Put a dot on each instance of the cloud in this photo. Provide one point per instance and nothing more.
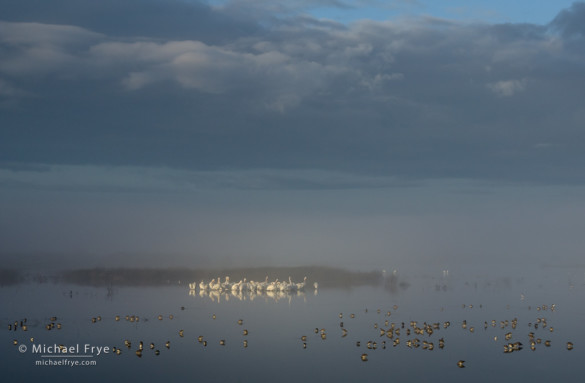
(44, 34)
(9, 91)
(571, 21)
(128, 179)
(507, 88)
(168, 19)
(408, 98)
(34, 48)
(278, 80)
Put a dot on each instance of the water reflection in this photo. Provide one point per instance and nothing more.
(250, 295)
(524, 328)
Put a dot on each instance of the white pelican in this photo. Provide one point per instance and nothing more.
(272, 285)
(244, 286)
(261, 286)
(236, 286)
(215, 286)
(253, 285)
(301, 285)
(226, 285)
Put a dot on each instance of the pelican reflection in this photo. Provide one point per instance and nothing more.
(243, 295)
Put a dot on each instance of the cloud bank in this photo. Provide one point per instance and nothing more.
(248, 86)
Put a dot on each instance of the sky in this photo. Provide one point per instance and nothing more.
(359, 134)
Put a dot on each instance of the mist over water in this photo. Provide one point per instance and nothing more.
(438, 225)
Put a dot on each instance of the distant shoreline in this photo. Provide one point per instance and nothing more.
(325, 276)
(121, 276)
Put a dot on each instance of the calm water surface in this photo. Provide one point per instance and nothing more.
(276, 323)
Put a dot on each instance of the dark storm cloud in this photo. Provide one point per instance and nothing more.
(571, 22)
(169, 19)
(417, 98)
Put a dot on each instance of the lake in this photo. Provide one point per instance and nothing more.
(412, 327)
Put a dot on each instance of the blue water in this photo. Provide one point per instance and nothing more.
(276, 323)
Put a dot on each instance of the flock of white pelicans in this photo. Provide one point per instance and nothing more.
(251, 286)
